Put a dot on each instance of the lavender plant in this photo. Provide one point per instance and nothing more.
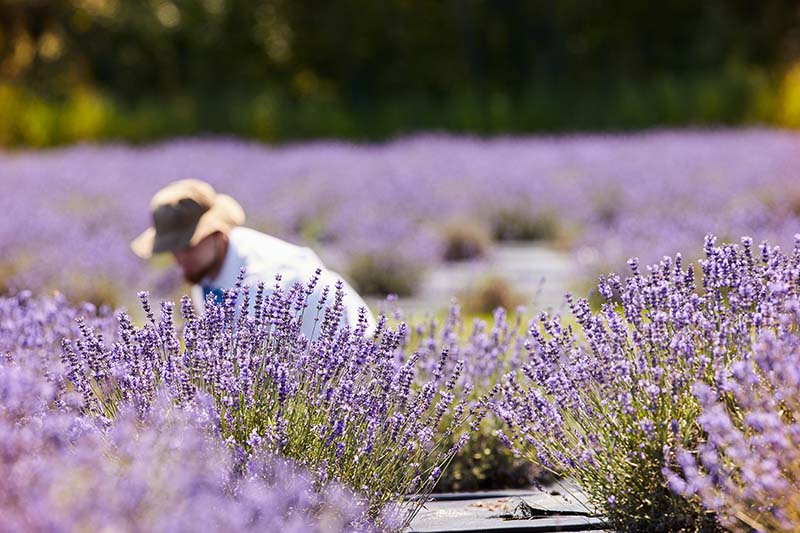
(350, 408)
(486, 351)
(609, 404)
(747, 470)
(168, 471)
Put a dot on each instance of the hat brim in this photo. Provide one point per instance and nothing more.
(223, 216)
(143, 244)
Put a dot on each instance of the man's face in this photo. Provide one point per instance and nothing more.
(197, 261)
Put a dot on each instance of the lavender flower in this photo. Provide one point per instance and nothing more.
(748, 469)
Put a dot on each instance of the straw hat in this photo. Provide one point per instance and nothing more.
(184, 213)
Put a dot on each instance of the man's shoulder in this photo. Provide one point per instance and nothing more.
(264, 255)
(243, 235)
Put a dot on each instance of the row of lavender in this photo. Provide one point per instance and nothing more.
(394, 208)
(675, 406)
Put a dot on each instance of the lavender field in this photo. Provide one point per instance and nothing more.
(668, 388)
(399, 208)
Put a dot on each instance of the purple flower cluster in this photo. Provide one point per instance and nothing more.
(351, 408)
(167, 469)
(611, 403)
(610, 197)
(32, 328)
(483, 352)
(747, 470)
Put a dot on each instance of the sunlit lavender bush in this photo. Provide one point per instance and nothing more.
(610, 403)
(349, 408)
(165, 469)
(748, 469)
(72, 211)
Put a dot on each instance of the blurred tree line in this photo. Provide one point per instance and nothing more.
(284, 69)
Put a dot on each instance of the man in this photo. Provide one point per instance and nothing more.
(204, 232)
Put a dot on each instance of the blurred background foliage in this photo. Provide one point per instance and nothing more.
(277, 70)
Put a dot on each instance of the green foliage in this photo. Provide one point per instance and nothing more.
(277, 70)
(484, 463)
(518, 223)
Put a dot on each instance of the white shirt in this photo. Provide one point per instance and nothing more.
(263, 256)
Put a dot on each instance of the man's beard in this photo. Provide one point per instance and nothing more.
(196, 277)
(220, 251)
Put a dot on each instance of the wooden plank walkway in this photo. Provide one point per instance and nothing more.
(558, 508)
